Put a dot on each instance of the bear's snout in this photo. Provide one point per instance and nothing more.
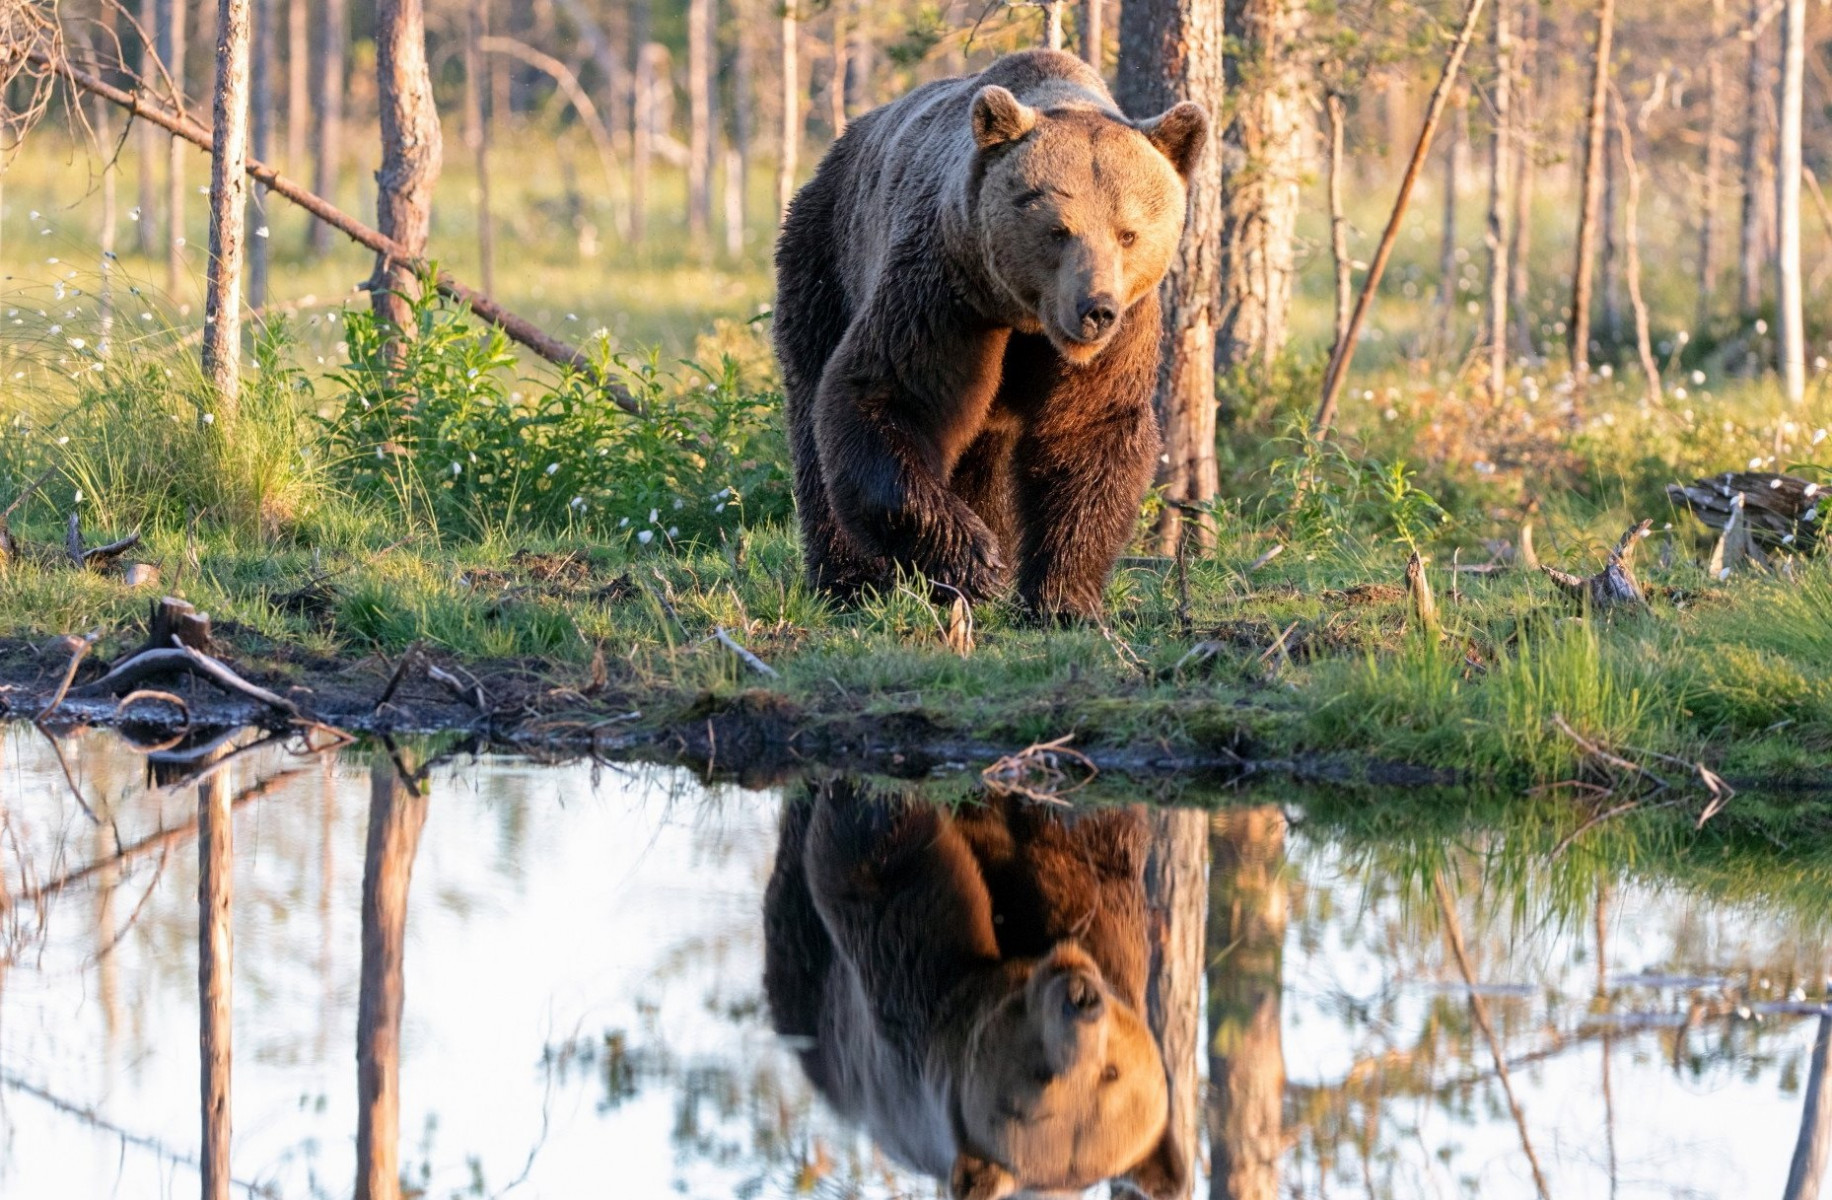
(1097, 315)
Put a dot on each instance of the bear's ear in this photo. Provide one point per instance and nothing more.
(1179, 134)
(1165, 1172)
(1000, 117)
(975, 1178)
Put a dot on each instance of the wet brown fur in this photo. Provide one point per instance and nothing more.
(952, 407)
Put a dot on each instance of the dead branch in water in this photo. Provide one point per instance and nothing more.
(1036, 772)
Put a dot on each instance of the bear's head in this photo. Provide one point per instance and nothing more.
(1064, 1087)
(1078, 213)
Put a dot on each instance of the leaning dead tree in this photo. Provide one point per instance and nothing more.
(519, 329)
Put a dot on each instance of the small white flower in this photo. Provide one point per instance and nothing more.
(679, 504)
(133, 214)
(1680, 393)
(655, 516)
(456, 470)
(674, 530)
(645, 536)
(552, 467)
(260, 231)
(1606, 370)
(1761, 326)
(79, 495)
(51, 261)
(1698, 378)
(77, 343)
(1755, 462)
(624, 524)
(63, 441)
(209, 418)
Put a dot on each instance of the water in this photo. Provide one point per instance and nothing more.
(584, 1010)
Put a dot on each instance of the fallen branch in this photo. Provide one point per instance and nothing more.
(517, 328)
(744, 656)
(150, 664)
(79, 652)
(473, 696)
(1042, 762)
(174, 700)
(81, 559)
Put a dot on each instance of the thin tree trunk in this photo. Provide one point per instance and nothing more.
(743, 130)
(642, 122)
(836, 88)
(1520, 237)
(1813, 1149)
(171, 52)
(1172, 51)
(1093, 49)
(1501, 163)
(1334, 112)
(327, 150)
(411, 150)
(701, 146)
(1749, 245)
(1338, 370)
(1710, 252)
(1453, 184)
(1631, 237)
(859, 87)
(261, 135)
(397, 814)
(790, 141)
(1594, 151)
(1263, 163)
(477, 136)
(222, 354)
(1248, 908)
(1790, 317)
(1612, 242)
(298, 84)
(146, 137)
(104, 132)
(215, 974)
(1052, 24)
(1175, 904)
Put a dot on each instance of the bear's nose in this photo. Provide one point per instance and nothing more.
(1082, 1000)
(1097, 315)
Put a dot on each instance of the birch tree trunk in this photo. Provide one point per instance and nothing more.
(1248, 907)
(1710, 253)
(397, 814)
(1172, 51)
(1520, 237)
(700, 143)
(261, 135)
(1749, 245)
(327, 151)
(411, 152)
(1612, 244)
(1501, 162)
(789, 143)
(1813, 1149)
(146, 138)
(215, 973)
(836, 87)
(1594, 150)
(1175, 900)
(1052, 24)
(1789, 316)
(1093, 49)
(1263, 163)
(477, 137)
(104, 132)
(171, 52)
(222, 353)
(298, 85)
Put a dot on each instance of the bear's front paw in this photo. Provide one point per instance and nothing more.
(971, 565)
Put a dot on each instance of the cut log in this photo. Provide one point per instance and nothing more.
(1615, 585)
(1784, 512)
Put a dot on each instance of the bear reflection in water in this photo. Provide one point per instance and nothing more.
(969, 986)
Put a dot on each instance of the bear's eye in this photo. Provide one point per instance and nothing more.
(1127, 237)
(1110, 1074)
(1059, 234)
(1042, 1075)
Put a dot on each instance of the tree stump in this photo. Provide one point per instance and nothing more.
(175, 622)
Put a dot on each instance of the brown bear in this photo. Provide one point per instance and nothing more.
(968, 327)
(970, 988)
